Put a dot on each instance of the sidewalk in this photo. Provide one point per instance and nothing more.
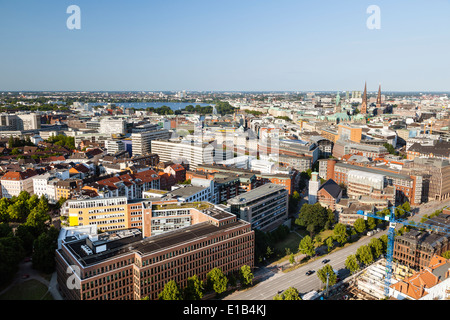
(25, 268)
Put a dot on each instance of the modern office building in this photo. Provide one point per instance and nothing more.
(19, 121)
(113, 146)
(191, 152)
(265, 207)
(141, 141)
(113, 126)
(126, 265)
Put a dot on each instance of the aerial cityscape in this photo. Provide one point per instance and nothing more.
(117, 187)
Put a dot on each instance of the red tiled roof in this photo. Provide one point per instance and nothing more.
(13, 175)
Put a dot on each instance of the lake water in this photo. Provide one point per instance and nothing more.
(171, 105)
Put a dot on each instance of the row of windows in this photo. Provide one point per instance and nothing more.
(150, 286)
(196, 246)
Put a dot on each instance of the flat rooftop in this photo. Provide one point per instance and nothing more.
(147, 246)
(255, 194)
(373, 171)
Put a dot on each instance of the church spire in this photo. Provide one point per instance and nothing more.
(364, 100)
(379, 97)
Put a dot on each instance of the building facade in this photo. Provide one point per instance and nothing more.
(126, 266)
(265, 207)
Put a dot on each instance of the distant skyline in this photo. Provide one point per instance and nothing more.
(247, 45)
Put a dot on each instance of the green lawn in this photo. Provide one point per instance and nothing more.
(28, 290)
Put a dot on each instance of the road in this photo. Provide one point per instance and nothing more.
(275, 280)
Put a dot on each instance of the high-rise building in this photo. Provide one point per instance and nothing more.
(141, 142)
(188, 152)
(113, 126)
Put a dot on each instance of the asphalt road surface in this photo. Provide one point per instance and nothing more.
(275, 281)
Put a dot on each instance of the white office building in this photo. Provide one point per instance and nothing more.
(113, 126)
(193, 153)
(141, 142)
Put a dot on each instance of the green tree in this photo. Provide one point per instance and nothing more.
(5, 230)
(306, 246)
(364, 255)
(269, 252)
(15, 151)
(170, 291)
(371, 223)
(313, 217)
(32, 202)
(27, 234)
(194, 289)
(330, 243)
(11, 253)
(294, 199)
(292, 259)
(376, 246)
(246, 275)
(290, 294)
(327, 271)
(360, 225)
(43, 204)
(390, 148)
(18, 211)
(340, 233)
(384, 240)
(44, 251)
(406, 206)
(4, 214)
(38, 219)
(216, 280)
(351, 263)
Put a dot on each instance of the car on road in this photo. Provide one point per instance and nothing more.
(309, 272)
(325, 261)
(25, 276)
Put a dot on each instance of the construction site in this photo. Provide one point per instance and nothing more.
(368, 284)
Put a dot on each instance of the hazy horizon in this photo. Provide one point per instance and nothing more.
(232, 46)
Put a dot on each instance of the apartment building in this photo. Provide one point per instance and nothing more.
(125, 184)
(126, 265)
(13, 183)
(265, 207)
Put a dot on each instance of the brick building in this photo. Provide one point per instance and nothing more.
(123, 265)
(416, 248)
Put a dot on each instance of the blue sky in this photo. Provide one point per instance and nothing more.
(241, 45)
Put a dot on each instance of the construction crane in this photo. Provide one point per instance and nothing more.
(393, 221)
